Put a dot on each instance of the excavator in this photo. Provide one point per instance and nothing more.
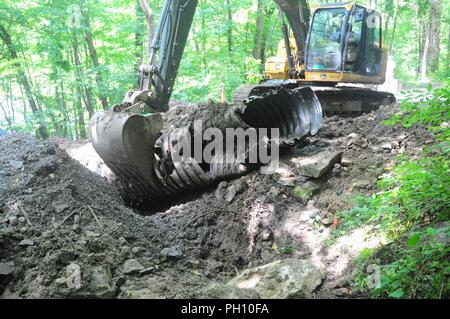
(321, 63)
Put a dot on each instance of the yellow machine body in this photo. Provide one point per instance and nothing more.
(345, 45)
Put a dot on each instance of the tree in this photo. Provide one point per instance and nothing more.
(434, 38)
(22, 78)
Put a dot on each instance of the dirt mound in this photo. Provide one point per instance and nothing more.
(64, 231)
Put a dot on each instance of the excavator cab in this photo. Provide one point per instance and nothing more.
(344, 45)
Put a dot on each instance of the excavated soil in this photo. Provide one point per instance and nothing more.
(65, 232)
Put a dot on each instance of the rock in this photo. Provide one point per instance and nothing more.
(273, 192)
(221, 291)
(16, 164)
(341, 292)
(26, 243)
(282, 279)
(12, 220)
(73, 281)
(327, 222)
(231, 193)
(22, 219)
(221, 190)
(346, 162)
(305, 191)
(132, 266)
(143, 293)
(362, 184)
(241, 186)
(100, 285)
(287, 181)
(444, 125)
(136, 250)
(316, 166)
(61, 281)
(172, 252)
(6, 268)
(147, 271)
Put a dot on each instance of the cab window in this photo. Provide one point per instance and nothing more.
(324, 51)
(373, 44)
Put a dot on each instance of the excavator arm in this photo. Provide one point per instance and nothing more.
(158, 77)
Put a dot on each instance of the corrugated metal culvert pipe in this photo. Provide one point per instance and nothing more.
(150, 165)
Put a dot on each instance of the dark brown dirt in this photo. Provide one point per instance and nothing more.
(57, 217)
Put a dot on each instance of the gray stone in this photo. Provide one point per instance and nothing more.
(73, 281)
(136, 250)
(16, 164)
(143, 293)
(100, 284)
(12, 220)
(171, 252)
(147, 271)
(305, 191)
(282, 279)
(221, 291)
(7, 268)
(132, 266)
(26, 243)
(221, 190)
(241, 186)
(287, 181)
(327, 221)
(316, 166)
(362, 184)
(22, 219)
(231, 193)
(346, 162)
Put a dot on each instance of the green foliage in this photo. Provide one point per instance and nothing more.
(430, 108)
(415, 188)
(288, 250)
(421, 268)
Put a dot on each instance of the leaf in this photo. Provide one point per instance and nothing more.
(397, 294)
(413, 240)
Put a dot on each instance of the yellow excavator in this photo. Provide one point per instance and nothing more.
(340, 43)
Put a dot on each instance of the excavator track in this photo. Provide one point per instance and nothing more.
(341, 100)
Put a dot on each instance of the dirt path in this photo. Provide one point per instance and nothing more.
(64, 231)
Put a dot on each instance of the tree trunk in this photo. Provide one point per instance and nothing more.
(448, 53)
(79, 106)
(434, 35)
(259, 30)
(394, 29)
(149, 18)
(423, 68)
(229, 26)
(23, 80)
(138, 37)
(95, 61)
(387, 19)
(7, 118)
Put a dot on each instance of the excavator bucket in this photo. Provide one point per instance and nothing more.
(125, 142)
